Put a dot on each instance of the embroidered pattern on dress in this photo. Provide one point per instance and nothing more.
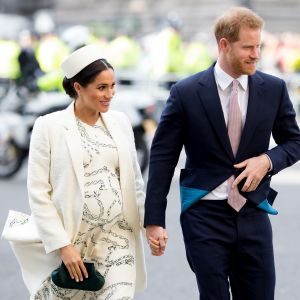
(92, 145)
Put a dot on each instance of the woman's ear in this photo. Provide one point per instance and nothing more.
(77, 87)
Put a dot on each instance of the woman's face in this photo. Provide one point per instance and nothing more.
(97, 95)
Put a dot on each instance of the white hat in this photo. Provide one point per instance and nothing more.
(79, 59)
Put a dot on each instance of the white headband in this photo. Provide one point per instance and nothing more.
(79, 59)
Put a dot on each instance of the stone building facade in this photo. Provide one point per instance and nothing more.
(143, 16)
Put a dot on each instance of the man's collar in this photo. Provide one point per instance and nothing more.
(224, 80)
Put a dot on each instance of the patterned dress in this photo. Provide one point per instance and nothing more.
(104, 237)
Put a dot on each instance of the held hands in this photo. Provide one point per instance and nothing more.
(73, 262)
(255, 169)
(157, 238)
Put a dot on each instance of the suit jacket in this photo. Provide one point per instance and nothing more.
(193, 118)
(56, 192)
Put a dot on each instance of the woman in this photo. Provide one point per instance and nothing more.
(85, 189)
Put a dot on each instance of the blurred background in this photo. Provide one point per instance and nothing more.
(151, 44)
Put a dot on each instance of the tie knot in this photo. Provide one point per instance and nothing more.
(235, 84)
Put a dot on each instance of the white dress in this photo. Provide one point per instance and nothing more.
(104, 237)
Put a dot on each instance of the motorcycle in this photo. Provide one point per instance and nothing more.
(14, 143)
(17, 122)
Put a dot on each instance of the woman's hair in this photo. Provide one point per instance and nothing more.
(85, 76)
(229, 24)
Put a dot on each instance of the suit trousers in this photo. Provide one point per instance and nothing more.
(229, 251)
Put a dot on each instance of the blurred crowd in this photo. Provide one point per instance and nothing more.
(281, 52)
(34, 58)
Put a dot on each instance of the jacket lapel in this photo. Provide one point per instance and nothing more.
(120, 140)
(74, 144)
(212, 105)
(255, 107)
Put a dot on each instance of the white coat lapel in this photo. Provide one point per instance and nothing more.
(123, 148)
(74, 144)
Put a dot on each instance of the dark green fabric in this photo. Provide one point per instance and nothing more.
(94, 282)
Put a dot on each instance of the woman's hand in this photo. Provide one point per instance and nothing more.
(73, 262)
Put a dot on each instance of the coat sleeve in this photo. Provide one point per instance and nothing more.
(165, 151)
(286, 135)
(49, 224)
(139, 182)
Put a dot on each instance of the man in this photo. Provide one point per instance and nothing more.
(224, 118)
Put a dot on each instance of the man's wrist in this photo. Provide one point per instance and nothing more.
(270, 162)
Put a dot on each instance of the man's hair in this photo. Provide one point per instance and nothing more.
(229, 24)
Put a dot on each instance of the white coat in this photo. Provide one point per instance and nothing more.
(56, 194)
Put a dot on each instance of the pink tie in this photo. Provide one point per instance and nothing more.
(234, 127)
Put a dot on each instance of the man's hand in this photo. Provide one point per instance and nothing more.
(255, 169)
(157, 239)
(73, 262)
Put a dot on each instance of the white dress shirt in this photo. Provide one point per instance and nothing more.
(223, 81)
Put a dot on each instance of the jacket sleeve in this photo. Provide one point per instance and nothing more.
(44, 212)
(286, 135)
(165, 151)
(139, 182)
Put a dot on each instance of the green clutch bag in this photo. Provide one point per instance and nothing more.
(62, 279)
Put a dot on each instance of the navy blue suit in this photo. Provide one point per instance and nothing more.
(193, 118)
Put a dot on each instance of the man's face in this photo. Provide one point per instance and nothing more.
(242, 56)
